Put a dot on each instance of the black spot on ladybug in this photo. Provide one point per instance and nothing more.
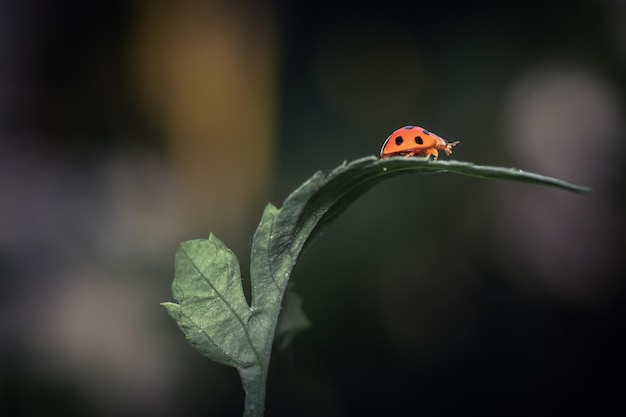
(399, 140)
(418, 140)
(426, 132)
(409, 127)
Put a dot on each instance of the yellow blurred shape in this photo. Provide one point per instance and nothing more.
(206, 75)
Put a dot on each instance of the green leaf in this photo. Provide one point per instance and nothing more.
(212, 310)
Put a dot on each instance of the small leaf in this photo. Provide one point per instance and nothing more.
(212, 310)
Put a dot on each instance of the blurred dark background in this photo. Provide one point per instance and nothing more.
(128, 127)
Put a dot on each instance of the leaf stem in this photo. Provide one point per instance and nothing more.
(253, 380)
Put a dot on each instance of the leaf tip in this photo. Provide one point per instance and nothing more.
(172, 309)
(582, 189)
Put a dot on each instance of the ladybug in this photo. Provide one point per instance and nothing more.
(415, 141)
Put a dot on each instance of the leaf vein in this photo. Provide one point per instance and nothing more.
(227, 304)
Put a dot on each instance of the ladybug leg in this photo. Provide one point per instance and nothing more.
(433, 152)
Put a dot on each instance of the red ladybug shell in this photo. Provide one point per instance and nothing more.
(415, 141)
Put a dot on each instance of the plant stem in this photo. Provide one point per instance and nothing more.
(253, 380)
